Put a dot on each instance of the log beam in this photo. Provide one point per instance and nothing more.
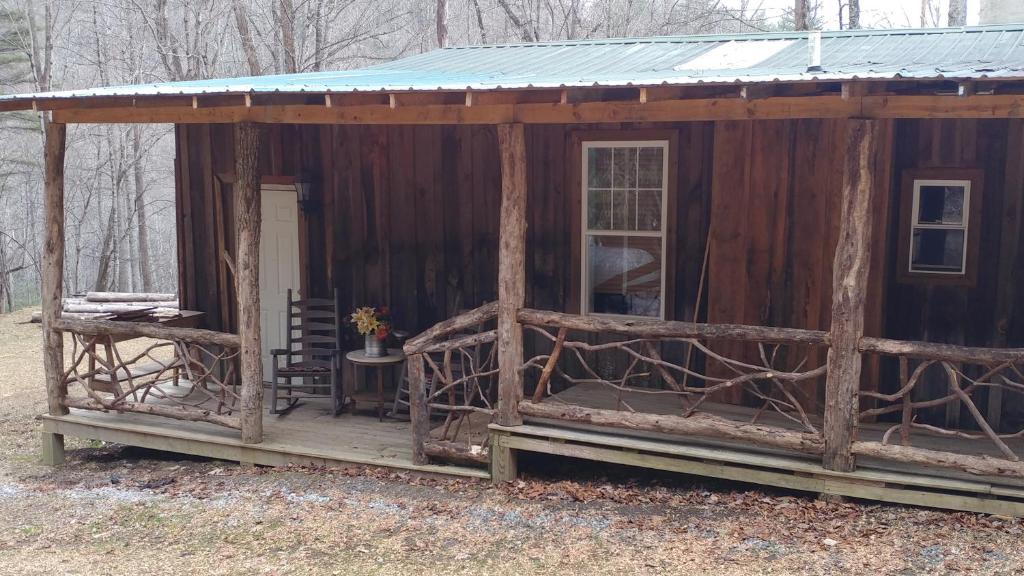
(511, 271)
(849, 293)
(247, 279)
(455, 452)
(147, 330)
(53, 268)
(980, 465)
(655, 329)
(701, 424)
(175, 412)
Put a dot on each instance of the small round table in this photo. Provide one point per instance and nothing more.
(357, 358)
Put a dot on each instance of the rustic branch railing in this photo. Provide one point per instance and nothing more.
(783, 378)
(965, 372)
(453, 371)
(186, 374)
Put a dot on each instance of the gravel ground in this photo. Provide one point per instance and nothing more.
(118, 510)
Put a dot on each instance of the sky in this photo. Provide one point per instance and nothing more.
(874, 13)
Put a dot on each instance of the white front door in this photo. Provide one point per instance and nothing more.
(279, 266)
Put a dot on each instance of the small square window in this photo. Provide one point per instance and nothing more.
(937, 234)
(939, 229)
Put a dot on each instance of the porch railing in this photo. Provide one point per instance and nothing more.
(664, 377)
(181, 373)
(959, 378)
(453, 370)
(686, 379)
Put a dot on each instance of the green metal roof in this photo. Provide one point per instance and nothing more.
(995, 52)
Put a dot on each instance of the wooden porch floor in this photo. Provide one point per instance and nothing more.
(309, 434)
(593, 395)
(874, 479)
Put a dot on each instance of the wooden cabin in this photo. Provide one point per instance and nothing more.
(788, 259)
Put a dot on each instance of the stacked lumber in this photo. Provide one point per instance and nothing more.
(102, 305)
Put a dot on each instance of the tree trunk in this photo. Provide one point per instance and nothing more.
(287, 25)
(319, 36)
(441, 16)
(854, 14)
(957, 13)
(144, 264)
(245, 35)
(849, 293)
(511, 271)
(480, 21)
(800, 14)
(53, 269)
(102, 283)
(247, 278)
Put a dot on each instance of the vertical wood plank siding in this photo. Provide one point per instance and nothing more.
(408, 216)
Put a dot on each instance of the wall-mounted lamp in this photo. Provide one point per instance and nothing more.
(304, 192)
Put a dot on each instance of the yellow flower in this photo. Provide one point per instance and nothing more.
(365, 319)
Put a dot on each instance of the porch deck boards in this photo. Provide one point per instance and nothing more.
(688, 456)
(309, 434)
(593, 395)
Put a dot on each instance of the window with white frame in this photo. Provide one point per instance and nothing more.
(624, 211)
(939, 227)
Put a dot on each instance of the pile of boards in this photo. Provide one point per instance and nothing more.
(108, 305)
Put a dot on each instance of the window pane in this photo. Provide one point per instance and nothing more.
(940, 205)
(599, 168)
(607, 210)
(624, 169)
(648, 210)
(651, 167)
(624, 275)
(599, 209)
(937, 250)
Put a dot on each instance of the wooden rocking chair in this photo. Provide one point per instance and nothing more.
(313, 355)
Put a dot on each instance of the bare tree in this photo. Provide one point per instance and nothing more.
(800, 14)
(441, 16)
(957, 12)
(286, 24)
(245, 35)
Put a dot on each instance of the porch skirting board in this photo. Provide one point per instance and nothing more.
(763, 468)
(281, 446)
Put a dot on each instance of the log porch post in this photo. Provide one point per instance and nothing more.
(849, 291)
(53, 268)
(53, 286)
(419, 414)
(511, 271)
(247, 278)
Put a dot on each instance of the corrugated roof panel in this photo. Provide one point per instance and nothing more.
(974, 52)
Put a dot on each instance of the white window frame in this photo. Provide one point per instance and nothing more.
(585, 222)
(964, 225)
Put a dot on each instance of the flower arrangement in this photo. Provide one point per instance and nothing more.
(369, 320)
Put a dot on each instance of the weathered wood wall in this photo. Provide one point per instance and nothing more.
(987, 312)
(774, 213)
(408, 216)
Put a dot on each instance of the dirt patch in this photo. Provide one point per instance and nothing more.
(117, 510)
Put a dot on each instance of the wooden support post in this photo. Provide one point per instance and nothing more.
(511, 271)
(504, 466)
(53, 268)
(247, 279)
(849, 291)
(53, 448)
(418, 412)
